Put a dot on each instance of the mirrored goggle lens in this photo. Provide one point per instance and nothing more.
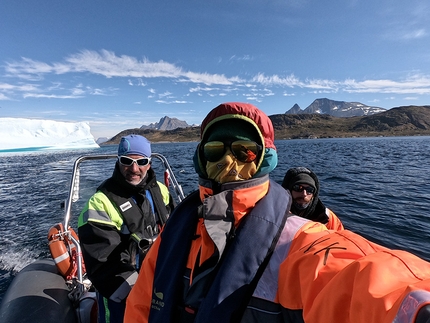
(213, 150)
(127, 161)
(243, 150)
(300, 188)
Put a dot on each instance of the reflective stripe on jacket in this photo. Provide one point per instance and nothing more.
(101, 210)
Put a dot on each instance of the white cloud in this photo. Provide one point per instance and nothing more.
(414, 34)
(251, 98)
(241, 58)
(140, 82)
(21, 88)
(209, 79)
(138, 72)
(78, 91)
(413, 85)
(172, 102)
(202, 89)
(165, 94)
(290, 80)
(4, 97)
(108, 64)
(98, 92)
(288, 94)
(50, 96)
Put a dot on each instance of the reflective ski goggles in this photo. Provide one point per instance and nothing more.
(243, 150)
(127, 161)
(301, 188)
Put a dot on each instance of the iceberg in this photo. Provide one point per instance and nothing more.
(35, 134)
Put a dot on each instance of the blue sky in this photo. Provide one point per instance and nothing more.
(121, 64)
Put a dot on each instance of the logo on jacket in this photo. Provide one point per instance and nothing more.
(157, 300)
(124, 207)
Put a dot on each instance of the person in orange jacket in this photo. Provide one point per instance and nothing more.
(304, 186)
(232, 252)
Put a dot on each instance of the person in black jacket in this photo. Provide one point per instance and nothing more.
(119, 222)
(304, 186)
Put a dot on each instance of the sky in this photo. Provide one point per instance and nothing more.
(122, 64)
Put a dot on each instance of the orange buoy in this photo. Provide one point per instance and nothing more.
(63, 250)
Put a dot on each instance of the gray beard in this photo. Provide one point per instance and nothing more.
(301, 206)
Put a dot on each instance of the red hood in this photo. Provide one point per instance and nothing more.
(244, 111)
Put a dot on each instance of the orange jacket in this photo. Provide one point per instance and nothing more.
(314, 274)
(334, 223)
(349, 279)
(327, 276)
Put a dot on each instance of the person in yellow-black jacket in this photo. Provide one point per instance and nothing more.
(304, 186)
(232, 251)
(127, 210)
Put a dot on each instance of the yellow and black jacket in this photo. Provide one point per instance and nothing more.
(109, 233)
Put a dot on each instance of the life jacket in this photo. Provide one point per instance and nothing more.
(140, 223)
(238, 271)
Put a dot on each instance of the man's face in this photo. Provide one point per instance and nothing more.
(134, 173)
(301, 195)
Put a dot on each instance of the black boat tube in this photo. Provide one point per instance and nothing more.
(38, 293)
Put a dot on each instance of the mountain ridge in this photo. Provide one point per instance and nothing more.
(399, 121)
(166, 123)
(336, 108)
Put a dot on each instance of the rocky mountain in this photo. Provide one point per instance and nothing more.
(336, 108)
(400, 121)
(167, 123)
(101, 140)
(153, 135)
(295, 110)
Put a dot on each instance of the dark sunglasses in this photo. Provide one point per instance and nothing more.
(243, 150)
(127, 161)
(301, 188)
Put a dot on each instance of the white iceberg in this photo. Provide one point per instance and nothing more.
(20, 133)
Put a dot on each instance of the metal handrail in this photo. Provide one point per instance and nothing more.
(74, 184)
(176, 187)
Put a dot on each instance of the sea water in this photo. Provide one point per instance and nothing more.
(379, 187)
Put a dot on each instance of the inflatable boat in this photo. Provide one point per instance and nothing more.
(57, 289)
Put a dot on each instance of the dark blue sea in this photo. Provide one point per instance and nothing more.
(379, 187)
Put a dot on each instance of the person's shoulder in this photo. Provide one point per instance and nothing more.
(98, 197)
(330, 212)
(161, 185)
(334, 222)
(164, 192)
